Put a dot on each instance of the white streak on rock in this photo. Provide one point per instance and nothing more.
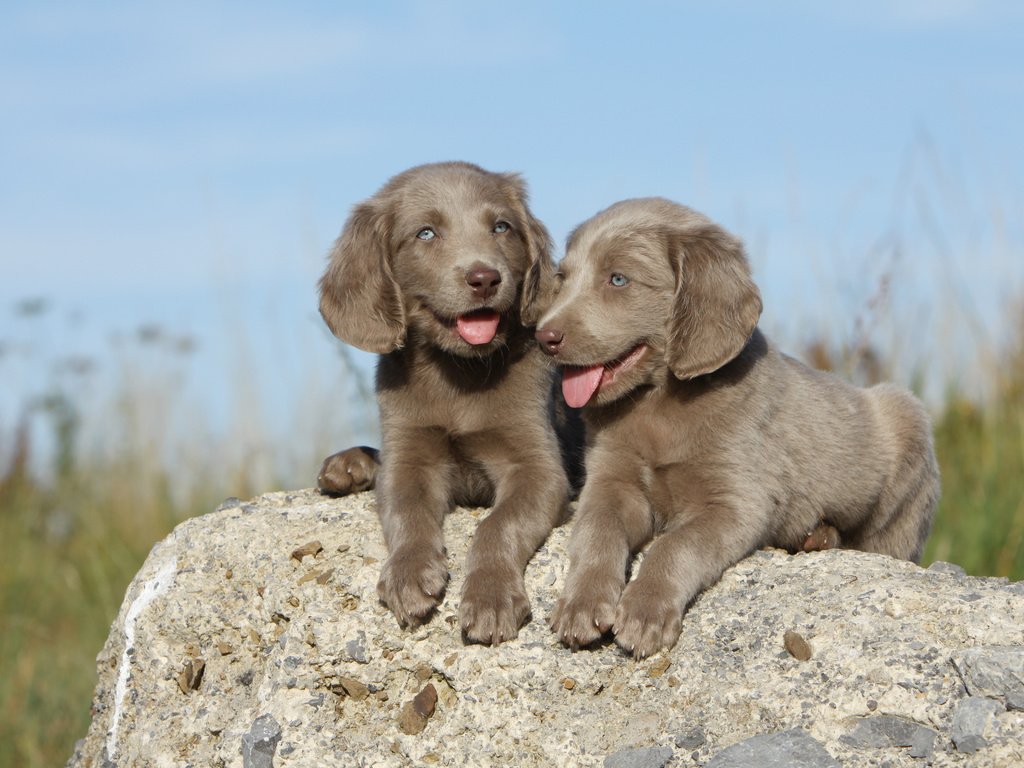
(156, 586)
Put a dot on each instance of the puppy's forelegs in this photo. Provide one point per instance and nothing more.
(689, 556)
(613, 520)
(412, 499)
(530, 499)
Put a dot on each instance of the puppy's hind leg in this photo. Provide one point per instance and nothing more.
(903, 517)
(349, 471)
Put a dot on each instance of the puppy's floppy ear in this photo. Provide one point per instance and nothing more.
(717, 305)
(359, 298)
(539, 267)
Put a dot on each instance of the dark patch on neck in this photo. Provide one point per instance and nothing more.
(465, 374)
(729, 375)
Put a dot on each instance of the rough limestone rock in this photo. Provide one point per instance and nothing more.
(253, 637)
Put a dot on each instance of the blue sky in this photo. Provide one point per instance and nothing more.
(189, 164)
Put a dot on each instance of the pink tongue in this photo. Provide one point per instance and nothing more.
(478, 327)
(580, 384)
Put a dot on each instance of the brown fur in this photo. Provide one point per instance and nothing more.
(461, 423)
(714, 443)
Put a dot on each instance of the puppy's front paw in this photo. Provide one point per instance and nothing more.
(494, 605)
(647, 619)
(412, 583)
(349, 471)
(586, 610)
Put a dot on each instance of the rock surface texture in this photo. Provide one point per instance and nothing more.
(253, 637)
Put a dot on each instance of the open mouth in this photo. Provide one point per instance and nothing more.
(478, 327)
(580, 382)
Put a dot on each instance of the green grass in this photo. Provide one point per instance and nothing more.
(980, 523)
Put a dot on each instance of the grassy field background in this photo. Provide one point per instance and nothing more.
(76, 524)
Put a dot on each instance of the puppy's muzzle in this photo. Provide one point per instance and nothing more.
(550, 339)
(483, 282)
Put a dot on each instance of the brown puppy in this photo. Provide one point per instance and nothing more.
(704, 438)
(439, 273)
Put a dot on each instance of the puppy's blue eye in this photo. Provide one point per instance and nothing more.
(426, 234)
(501, 226)
(618, 280)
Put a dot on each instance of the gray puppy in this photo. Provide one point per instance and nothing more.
(702, 438)
(439, 273)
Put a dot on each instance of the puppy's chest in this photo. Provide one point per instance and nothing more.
(671, 459)
(433, 402)
(657, 436)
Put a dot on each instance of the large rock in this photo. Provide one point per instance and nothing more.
(253, 637)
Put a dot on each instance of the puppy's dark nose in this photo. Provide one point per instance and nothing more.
(550, 339)
(484, 282)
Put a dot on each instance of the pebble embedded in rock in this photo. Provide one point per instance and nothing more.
(260, 743)
(409, 721)
(191, 675)
(798, 648)
(640, 757)
(691, 738)
(970, 720)
(354, 689)
(356, 648)
(313, 548)
(882, 731)
(425, 701)
(424, 672)
(659, 667)
(994, 671)
(942, 567)
(412, 718)
(785, 749)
